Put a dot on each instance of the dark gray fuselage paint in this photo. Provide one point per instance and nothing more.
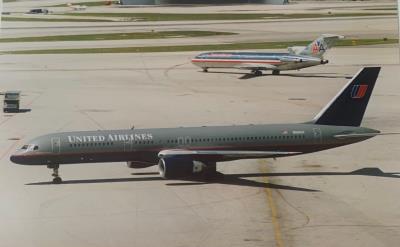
(143, 145)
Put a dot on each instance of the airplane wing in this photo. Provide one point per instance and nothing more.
(255, 66)
(220, 155)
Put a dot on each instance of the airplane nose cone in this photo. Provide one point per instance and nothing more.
(14, 158)
(17, 159)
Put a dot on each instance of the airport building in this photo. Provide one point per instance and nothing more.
(179, 2)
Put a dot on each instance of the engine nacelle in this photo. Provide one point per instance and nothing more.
(176, 167)
(138, 165)
(291, 60)
(296, 50)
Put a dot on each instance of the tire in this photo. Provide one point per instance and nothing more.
(258, 73)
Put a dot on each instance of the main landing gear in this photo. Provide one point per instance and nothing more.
(257, 72)
(276, 72)
(57, 179)
(205, 69)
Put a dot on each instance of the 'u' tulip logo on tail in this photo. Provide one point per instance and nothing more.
(358, 91)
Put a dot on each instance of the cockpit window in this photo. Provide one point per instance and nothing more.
(30, 147)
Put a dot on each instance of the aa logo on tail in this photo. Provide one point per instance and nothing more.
(317, 47)
(358, 91)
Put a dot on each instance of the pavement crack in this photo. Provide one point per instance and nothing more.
(306, 217)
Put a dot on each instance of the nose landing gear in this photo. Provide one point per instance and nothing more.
(57, 179)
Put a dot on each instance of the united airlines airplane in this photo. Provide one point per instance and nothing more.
(298, 57)
(195, 151)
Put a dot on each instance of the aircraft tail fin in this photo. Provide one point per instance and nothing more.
(318, 47)
(347, 108)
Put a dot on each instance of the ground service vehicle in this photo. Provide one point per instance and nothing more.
(11, 101)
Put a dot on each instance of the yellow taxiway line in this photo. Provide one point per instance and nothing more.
(273, 208)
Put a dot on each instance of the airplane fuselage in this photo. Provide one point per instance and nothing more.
(144, 145)
(255, 61)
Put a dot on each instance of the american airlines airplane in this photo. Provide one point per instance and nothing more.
(195, 151)
(297, 57)
(76, 7)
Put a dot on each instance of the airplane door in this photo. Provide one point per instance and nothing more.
(128, 145)
(188, 140)
(184, 141)
(181, 141)
(317, 135)
(56, 144)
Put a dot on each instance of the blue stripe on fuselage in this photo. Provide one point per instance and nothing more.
(245, 55)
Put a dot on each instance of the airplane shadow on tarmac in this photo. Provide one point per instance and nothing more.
(235, 179)
(24, 110)
(246, 76)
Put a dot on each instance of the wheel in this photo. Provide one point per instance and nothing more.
(205, 69)
(258, 73)
(57, 180)
(275, 72)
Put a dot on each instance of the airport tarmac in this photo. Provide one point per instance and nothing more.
(293, 7)
(341, 197)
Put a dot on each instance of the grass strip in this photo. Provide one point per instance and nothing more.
(394, 8)
(214, 47)
(117, 36)
(29, 19)
(217, 16)
(88, 4)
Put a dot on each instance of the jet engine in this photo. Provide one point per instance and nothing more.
(291, 60)
(138, 165)
(176, 167)
(296, 50)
